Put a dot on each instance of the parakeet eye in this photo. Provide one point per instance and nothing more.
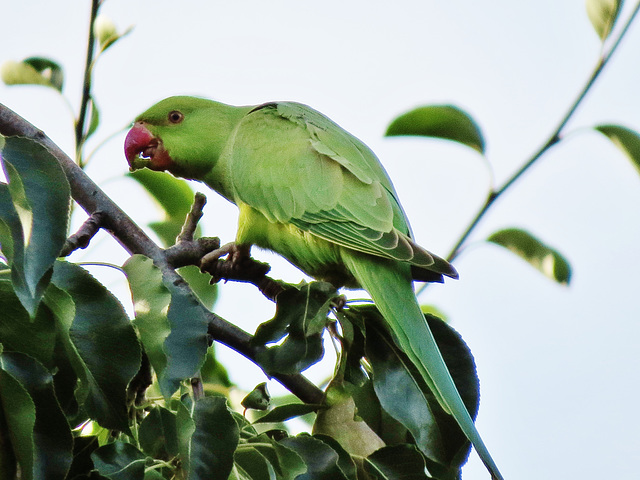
(175, 116)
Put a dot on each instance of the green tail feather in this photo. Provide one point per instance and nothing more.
(389, 284)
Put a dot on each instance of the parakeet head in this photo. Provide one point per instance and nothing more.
(183, 135)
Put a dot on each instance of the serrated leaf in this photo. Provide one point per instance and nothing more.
(70, 366)
(53, 443)
(173, 326)
(19, 417)
(542, 257)
(603, 15)
(108, 353)
(214, 440)
(35, 210)
(440, 121)
(625, 139)
(301, 316)
(151, 301)
(119, 461)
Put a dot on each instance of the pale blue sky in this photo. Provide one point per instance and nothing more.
(558, 365)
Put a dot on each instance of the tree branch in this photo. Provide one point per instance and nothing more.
(92, 199)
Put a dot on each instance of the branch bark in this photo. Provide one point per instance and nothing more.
(92, 199)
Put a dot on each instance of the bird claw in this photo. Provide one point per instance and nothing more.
(238, 266)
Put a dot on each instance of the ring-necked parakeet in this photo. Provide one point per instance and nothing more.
(316, 195)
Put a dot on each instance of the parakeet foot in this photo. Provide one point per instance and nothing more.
(238, 266)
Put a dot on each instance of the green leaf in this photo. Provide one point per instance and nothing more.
(258, 398)
(214, 440)
(19, 333)
(35, 210)
(396, 462)
(286, 412)
(33, 71)
(201, 285)
(323, 460)
(18, 420)
(151, 301)
(49, 70)
(301, 316)
(213, 372)
(440, 121)
(119, 461)
(94, 119)
(286, 463)
(52, 435)
(104, 30)
(603, 15)
(173, 326)
(83, 447)
(108, 353)
(254, 465)
(186, 345)
(625, 139)
(185, 426)
(106, 33)
(158, 434)
(342, 422)
(404, 395)
(542, 257)
(70, 366)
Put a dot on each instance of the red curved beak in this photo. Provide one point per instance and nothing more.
(139, 146)
(143, 149)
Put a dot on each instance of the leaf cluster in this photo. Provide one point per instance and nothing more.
(88, 393)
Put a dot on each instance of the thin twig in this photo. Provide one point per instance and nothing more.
(194, 216)
(553, 139)
(83, 236)
(86, 84)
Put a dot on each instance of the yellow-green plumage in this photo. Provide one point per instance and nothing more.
(319, 197)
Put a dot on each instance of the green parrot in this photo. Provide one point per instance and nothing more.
(313, 193)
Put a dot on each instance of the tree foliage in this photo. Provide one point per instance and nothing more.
(87, 392)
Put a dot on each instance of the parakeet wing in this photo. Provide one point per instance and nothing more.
(296, 166)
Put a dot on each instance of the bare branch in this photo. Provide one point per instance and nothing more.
(194, 216)
(83, 236)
